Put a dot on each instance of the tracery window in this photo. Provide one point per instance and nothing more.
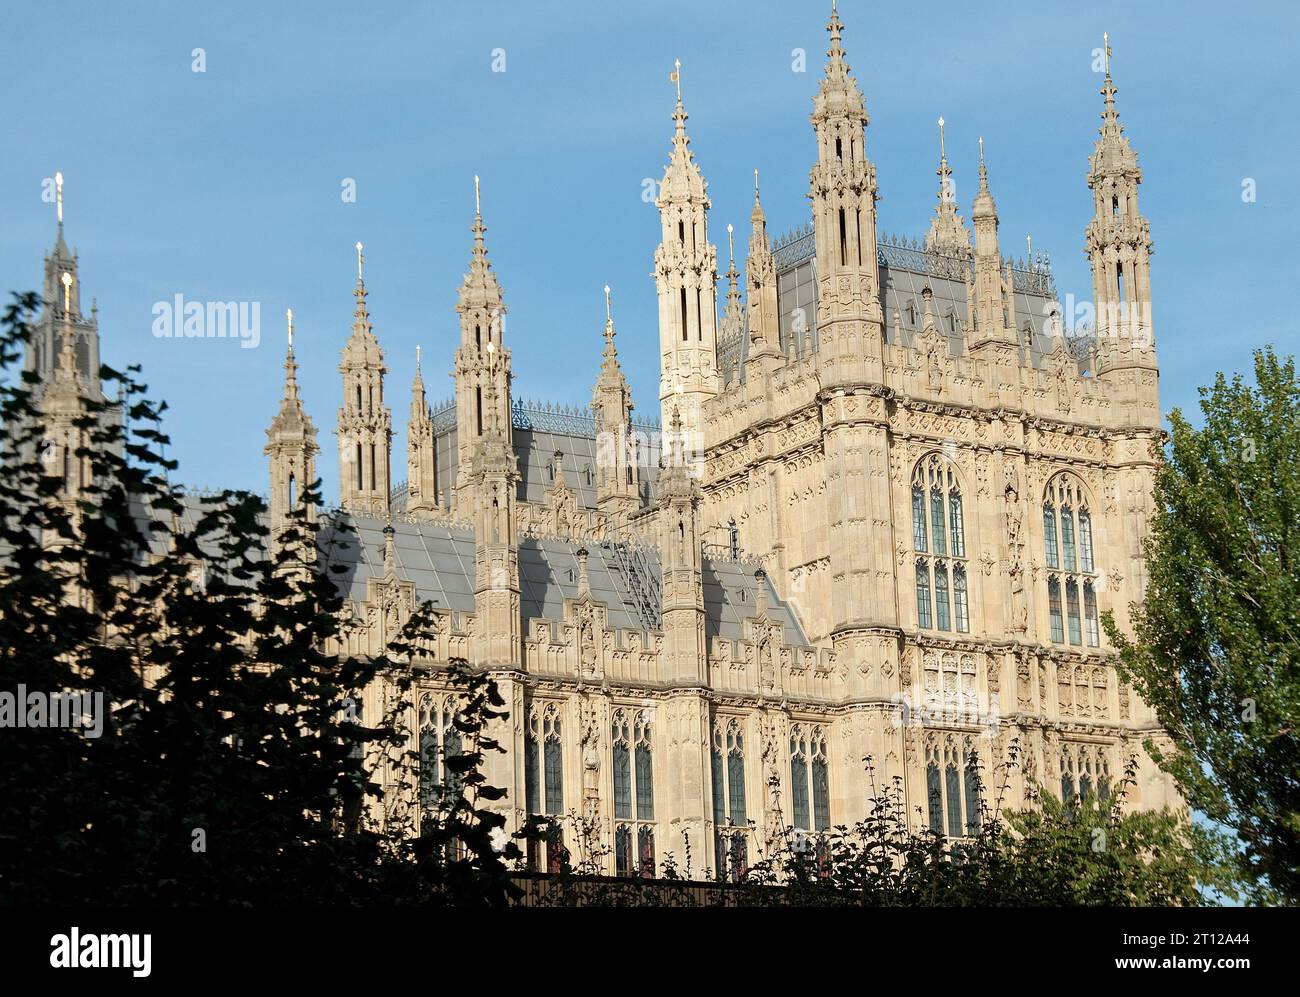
(544, 776)
(939, 530)
(952, 785)
(634, 812)
(1085, 771)
(731, 825)
(1068, 553)
(439, 744)
(809, 778)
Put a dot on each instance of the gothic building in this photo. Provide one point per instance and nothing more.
(888, 503)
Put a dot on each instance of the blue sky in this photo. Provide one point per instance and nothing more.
(225, 185)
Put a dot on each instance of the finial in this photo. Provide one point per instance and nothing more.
(731, 244)
(359, 260)
(58, 195)
(478, 210)
(289, 315)
(1029, 244)
(676, 77)
(942, 153)
(608, 314)
(755, 183)
(417, 358)
(67, 291)
(1105, 44)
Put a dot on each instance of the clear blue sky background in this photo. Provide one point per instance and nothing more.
(225, 185)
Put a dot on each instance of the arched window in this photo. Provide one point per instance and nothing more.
(731, 840)
(544, 761)
(439, 780)
(952, 785)
(633, 795)
(428, 736)
(1068, 551)
(938, 522)
(809, 779)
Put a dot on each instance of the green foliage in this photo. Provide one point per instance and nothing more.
(233, 768)
(1215, 648)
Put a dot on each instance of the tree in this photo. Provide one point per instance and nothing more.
(1215, 647)
(231, 766)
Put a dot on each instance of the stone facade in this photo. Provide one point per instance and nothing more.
(880, 521)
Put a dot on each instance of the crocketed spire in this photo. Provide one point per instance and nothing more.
(947, 235)
(480, 289)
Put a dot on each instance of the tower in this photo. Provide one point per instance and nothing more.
(994, 337)
(617, 470)
(365, 427)
(854, 418)
(760, 295)
(684, 654)
(482, 365)
(62, 406)
(843, 192)
(421, 468)
(61, 317)
(686, 279)
(1118, 238)
(291, 448)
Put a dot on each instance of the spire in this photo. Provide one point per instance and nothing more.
(842, 182)
(61, 323)
(364, 420)
(617, 472)
(1119, 242)
(1113, 156)
(837, 69)
(362, 344)
(480, 288)
(760, 289)
(984, 205)
(686, 276)
(290, 444)
(947, 233)
(290, 365)
(291, 422)
(60, 247)
(418, 399)
(733, 275)
(682, 179)
(989, 292)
